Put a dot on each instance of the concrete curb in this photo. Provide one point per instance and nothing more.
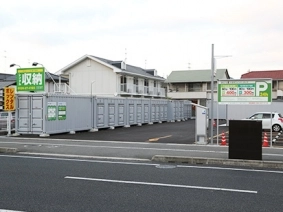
(8, 150)
(217, 161)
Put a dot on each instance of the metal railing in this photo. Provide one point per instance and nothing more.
(141, 90)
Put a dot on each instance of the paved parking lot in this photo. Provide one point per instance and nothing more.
(167, 132)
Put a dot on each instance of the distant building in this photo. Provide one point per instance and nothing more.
(91, 75)
(275, 75)
(194, 85)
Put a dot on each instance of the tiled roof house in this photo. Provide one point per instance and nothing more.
(275, 75)
(194, 85)
(103, 77)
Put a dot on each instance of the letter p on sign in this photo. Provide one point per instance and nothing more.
(261, 86)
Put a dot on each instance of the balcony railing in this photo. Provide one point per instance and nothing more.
(141, 90)
(62, 88)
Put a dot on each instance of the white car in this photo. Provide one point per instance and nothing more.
(277, 120)
(3, 120)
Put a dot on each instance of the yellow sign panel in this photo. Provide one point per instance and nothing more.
(9, 98)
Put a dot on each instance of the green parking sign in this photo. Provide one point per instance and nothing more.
(248, 91)
(30, 79)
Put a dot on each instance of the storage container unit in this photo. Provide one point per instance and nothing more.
(177, 110)
(170, 113)
(139, 109)
(163, 110)
(30, 114)
(111, 112)
(122, 112)
(100, 116)
(131, 111)
(181, 110)
(45, 114)
(50, 114)
(154, 108)
(187, 110)
(145, 111)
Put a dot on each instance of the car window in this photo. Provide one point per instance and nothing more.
(279, 114)
(4, 114)
(257, 116)
(267, 116)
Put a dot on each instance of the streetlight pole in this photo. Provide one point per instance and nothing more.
(213, 74)
(212, 93)
(12, 65)
(47, 72)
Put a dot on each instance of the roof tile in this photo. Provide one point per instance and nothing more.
(275, 74)
(195, 76)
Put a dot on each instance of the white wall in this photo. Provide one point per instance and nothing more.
(83, 74)
(187, 95)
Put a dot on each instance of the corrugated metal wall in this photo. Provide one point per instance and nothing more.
(58, 113)
(237, 112)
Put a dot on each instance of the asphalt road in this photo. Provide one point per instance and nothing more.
(124, 150)
(167, 132)
(50, 184)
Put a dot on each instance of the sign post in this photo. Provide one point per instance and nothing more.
(201, 124)
(9, 98)
(9, 105)
(246, 91)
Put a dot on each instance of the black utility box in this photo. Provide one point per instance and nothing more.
(245, 139)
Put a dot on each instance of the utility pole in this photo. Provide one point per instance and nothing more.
(212, 93)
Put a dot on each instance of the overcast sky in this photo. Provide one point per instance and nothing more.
(160, 34)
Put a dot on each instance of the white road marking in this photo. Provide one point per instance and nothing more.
(141, 164)
(73, 140)
(115, 147)
(84, 156)
(3, 210)
(80, 160)
(161, 184)
(231, 169)
(130, 148)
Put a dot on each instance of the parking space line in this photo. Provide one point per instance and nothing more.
(156, 139)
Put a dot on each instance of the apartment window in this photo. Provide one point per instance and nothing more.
(123, 84)
(136, 84)
(123, 80)
(154, 84)
(136, 81)
(209, 86)
(274, 85)
(194, 86)
(145, 82)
